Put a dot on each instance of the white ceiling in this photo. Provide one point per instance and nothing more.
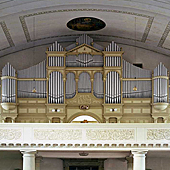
(28, 23)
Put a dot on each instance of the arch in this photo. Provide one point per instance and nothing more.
(85, 114)
(98, 85)
(70, 85)
(84, 83)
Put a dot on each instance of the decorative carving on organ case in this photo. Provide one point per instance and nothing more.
(85, 73)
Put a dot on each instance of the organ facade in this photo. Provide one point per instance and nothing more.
(85, 78)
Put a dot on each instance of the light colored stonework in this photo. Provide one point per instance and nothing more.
(158, 134)
(109, 134)
(10, 134)
(57, 134)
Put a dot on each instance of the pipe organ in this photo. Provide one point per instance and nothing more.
(85, 74)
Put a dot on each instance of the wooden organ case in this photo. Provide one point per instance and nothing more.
(84, 79)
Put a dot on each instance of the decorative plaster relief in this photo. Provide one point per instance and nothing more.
(158, 134)
(116, 134)
(84, 99)
(57, 134)
(10, 134)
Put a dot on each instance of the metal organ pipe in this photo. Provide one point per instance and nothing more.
(84, 60)
(98, 85)
(56, 88)
(144, 88)
(113, 88)
(160, 84)
(70, 86)
(8, 84)
(84, 83)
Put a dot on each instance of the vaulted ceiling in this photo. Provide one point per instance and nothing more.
(28, 23)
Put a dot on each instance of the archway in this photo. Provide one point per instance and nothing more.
(84, 119)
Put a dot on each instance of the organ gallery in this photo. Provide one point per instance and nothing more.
(85, 78)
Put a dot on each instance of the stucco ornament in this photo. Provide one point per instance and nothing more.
(10, 134)
(57, 134)
(158, 134)
(116, 134)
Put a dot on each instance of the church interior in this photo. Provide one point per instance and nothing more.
(84, 85)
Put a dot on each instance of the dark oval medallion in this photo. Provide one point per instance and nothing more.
(86, 24)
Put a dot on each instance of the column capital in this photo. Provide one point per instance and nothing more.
(139, 152)
(32, 152)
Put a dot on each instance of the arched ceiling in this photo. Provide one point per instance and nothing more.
(28, 23)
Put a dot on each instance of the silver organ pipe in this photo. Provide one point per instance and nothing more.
(8, 84)
(144, 88)
(56, 88)
(55, 47)
(70, 86)
(113, 61)
(56, 61)
(98, 85)
(131, 71)
(84, 60)
(37, 71)
(113, 47)
(84, 39)
(160, 84)
(97, 46)
(84, 83)
(25, 89)
(113, 88)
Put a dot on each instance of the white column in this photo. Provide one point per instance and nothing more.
(139, 159)
(28, 159)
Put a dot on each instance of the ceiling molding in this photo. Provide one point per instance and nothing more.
(164, 36)
(7, 35)
(28, 37)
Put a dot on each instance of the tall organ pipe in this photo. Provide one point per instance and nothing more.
(113, 88)
(8, 84)
(56, 88)
(160, 84)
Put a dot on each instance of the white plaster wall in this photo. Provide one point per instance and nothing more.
(158, 163)
(149, 59)
(51, 164)
(115, 164)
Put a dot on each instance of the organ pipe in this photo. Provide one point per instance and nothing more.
(8, 84)
(70, 86)
(84, 60)
(84, 83)
(56, 88)
(160, 93)
(98, 88)
(113, 88)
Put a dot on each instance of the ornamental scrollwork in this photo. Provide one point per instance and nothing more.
(158, 134)
(57, 134)
(111, 134)
(10, 134)
(84, 99)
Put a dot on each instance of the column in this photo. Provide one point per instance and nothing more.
(139, 159)
(28, 159)
(38, 162)
(129, 163)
